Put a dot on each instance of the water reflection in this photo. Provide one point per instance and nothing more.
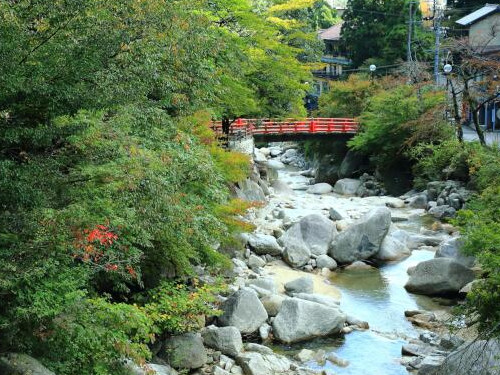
(378, 297)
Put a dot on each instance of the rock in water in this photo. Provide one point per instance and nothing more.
(244, 311)
(453, 249)
(391, 249)
(225, 339)
(185, 351)
(21, 364)
(300, 320)
(439, 276)
(321, 188)
(311, 235)
(362, 239)
(347, 186)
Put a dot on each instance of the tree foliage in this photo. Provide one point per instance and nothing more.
(111, 182)
(378, 30)
(479, 221)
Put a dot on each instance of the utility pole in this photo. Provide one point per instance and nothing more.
(437, 31)
(409, 58)
(410, 25)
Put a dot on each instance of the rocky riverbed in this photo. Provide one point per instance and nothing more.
(363, 252)
(336, 280)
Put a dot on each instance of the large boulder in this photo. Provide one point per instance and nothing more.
(362, 239)
(452, 248)
(258, 156)
(439, 276)
(347, 186)
(244, 311)
(318, 298)
(311, 235)
(321, 188)
(185, 351)
(301, 285)
(264, 244)
(443, 212)
(324, 261)
(266, 283)
(354, 164)
(272, 303)
(392, 249)
(300, 320)
(21, 364)
(474, 358)
(255, 363)
(418, 201)
(227, 340)
(251, 191)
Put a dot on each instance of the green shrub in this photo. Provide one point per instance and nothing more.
(479, 224)
(436, 162)
(94, 336)
(176, 308)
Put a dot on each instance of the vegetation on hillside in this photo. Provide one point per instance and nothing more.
(112, 186)
(403, 125)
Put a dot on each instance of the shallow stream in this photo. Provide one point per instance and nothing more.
(376, 296)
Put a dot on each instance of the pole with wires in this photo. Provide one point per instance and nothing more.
(437, 31)
(408, 42)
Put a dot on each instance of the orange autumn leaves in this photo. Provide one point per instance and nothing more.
(104, 250)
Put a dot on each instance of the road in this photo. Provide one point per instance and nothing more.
(471, 135)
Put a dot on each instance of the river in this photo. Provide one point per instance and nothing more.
(376, 296)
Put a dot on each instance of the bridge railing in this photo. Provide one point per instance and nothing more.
(289, 126)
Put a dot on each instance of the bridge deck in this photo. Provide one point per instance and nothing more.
(261, 128)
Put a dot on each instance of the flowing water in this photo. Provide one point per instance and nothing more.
(376, 296)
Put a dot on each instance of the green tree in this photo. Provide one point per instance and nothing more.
(376, 29)
(111, 182)
(347, 98)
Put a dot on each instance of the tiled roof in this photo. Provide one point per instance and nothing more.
(332, 33)
(479, 14)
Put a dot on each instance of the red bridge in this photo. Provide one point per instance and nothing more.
(265, 128)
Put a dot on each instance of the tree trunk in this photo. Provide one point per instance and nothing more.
(475, 118)
(456, 115)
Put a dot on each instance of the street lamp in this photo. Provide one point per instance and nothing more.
(372, 68)
(447, 68)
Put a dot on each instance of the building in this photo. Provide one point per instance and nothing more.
(482, 30)
(334, 58)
